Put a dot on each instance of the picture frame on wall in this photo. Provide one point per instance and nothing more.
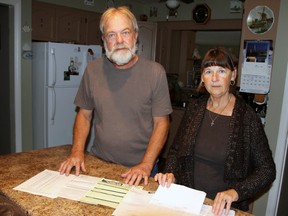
(89, 2)
(236, 6)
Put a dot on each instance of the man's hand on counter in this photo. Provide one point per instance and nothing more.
(76, 159)
(134, 175)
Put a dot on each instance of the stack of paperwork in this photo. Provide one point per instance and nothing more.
(81, 188)
(127, 200)
(174, 201)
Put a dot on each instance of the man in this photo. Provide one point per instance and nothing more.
(130, 100)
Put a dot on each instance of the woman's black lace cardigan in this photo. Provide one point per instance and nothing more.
(249, 166)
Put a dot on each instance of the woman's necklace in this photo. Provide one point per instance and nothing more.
(217, 115)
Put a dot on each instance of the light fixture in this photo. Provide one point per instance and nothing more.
(172, 6)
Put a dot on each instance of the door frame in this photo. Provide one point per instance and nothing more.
(280, 155)
(16, 68)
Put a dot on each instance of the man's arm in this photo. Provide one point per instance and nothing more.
(156, 143)
(80, 133)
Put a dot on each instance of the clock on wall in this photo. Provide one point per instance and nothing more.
(201, 13)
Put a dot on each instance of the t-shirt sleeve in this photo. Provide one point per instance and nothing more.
(84, 97)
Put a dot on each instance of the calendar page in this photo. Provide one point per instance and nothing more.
(256, 67)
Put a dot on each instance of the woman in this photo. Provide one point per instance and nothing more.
(220, 147)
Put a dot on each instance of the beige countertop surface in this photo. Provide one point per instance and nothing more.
(19, 167)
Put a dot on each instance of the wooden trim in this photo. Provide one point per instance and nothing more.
(216, 24)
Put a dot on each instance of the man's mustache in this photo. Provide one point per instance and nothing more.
(118, 47)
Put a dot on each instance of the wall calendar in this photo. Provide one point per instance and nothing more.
(256, 67)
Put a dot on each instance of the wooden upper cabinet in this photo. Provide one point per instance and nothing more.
(163, 45)
(43, 21)
(68, 22)
(64, 24)
(91, 29)
(147, 39)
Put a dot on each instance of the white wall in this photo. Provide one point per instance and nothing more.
(277, 119)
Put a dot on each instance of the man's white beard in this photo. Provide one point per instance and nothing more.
(122, 56)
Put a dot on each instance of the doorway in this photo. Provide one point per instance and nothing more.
(5, 84)
(10, 81)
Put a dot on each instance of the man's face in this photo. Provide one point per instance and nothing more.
(119, 39)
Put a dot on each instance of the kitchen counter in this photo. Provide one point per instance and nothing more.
(17, 168)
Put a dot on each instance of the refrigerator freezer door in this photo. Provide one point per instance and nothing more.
(66, 64)
(60, 116)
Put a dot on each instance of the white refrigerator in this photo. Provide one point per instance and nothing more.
(57, 70)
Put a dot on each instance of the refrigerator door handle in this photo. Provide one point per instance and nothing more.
(53, 106)
(54, 66)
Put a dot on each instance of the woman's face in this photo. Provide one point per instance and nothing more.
(217, 80)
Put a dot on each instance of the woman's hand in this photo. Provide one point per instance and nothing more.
(224, 199)
(165, 179)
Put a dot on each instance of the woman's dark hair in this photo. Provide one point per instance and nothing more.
(218, 56)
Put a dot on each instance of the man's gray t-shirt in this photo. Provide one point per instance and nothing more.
(124, 102)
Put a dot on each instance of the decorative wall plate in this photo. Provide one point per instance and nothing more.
(260, 19)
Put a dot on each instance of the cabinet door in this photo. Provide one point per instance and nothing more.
(43, 21)
(147, 40)
(68, 24)
(162, 45)
(92, 31)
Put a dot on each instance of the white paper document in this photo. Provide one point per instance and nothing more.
(51, 184)
(107, 192)
(206, 210)
(137, 203)
(140, 203)
(179, 197)
(83, 188)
